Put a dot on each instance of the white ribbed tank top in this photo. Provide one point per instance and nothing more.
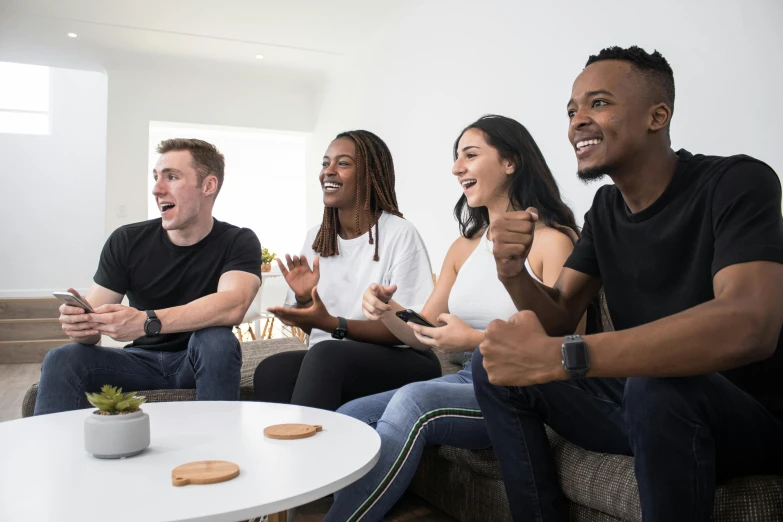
(478, 297)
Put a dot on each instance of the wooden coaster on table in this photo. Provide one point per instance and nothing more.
(291, 431)
(204, 472)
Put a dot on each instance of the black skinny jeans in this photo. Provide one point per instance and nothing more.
(332, 373)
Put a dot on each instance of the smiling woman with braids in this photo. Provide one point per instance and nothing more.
(362, 240)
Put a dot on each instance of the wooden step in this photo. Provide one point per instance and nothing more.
(16, 352)
(22, 308)
(31, 330)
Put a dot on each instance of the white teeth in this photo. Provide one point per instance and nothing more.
(468, 182)
(166, 206)
(332, 185)
(582, 144)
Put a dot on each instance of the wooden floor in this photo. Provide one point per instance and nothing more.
(14, 381)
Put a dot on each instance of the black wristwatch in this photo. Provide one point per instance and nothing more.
(152, 324)
(575, 357)
(342, 329)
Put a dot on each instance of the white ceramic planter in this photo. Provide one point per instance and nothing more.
(116, 436)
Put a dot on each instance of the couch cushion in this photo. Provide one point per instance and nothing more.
(606, 483)
(253, 352)
(446, 366)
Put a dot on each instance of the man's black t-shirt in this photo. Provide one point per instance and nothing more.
(139, 260)
(716, 212)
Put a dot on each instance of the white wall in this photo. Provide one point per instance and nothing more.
(445, 64)
(189, 93)
(52, 211)
(264, 180)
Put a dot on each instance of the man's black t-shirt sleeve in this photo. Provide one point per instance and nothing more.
(583, 258)
(245, 254)
(746, 216)
(112, 270)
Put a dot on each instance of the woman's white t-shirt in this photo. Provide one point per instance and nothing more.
(404, 262)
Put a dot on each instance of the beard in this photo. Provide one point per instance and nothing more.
(592, 174)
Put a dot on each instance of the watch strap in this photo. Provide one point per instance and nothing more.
(342, 329)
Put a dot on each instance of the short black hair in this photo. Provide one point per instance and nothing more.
(653, 67)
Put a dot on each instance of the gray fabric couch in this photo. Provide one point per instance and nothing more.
(467, 484)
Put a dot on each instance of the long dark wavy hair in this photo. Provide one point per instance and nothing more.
(531, 184)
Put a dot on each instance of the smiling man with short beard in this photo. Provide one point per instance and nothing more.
(689, 250)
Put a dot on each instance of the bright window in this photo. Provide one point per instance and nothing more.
(264, 182)
(24, 98)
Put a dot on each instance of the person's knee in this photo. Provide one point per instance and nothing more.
(325, 351)
(358, 409)
(352, 408)
(327, 357)
(409, 404)
(651, 402)
(64, 356)
(216, 340)
(269, 369)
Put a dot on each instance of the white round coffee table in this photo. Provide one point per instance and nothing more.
(46, 475)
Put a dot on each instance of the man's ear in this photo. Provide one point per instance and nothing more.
(209, 186)
(660, 116)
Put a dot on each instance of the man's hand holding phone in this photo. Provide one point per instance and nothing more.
(121, 323)
(75, 319)
(512, 236)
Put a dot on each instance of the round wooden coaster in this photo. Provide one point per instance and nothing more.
(291, 431)
(204, 472)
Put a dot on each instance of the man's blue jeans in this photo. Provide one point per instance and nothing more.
(685, 434)
(211, 364)
(439, 411)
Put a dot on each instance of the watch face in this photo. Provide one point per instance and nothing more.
(575, 356)
(152, 327)
(339, 334)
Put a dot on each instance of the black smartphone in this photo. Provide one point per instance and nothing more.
(411, 316)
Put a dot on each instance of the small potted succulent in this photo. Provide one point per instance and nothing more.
(118, 428)
(266, 259)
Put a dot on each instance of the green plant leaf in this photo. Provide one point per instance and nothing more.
(111, 399)
(267, 256)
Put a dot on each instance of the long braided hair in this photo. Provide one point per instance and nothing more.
(374, 178)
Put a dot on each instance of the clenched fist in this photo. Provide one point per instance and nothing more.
(518, 352)
(512, 237)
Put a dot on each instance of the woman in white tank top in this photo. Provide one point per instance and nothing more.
(500, 169)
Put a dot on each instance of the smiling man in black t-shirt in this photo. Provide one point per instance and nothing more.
(188, 277)
(689, 250)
